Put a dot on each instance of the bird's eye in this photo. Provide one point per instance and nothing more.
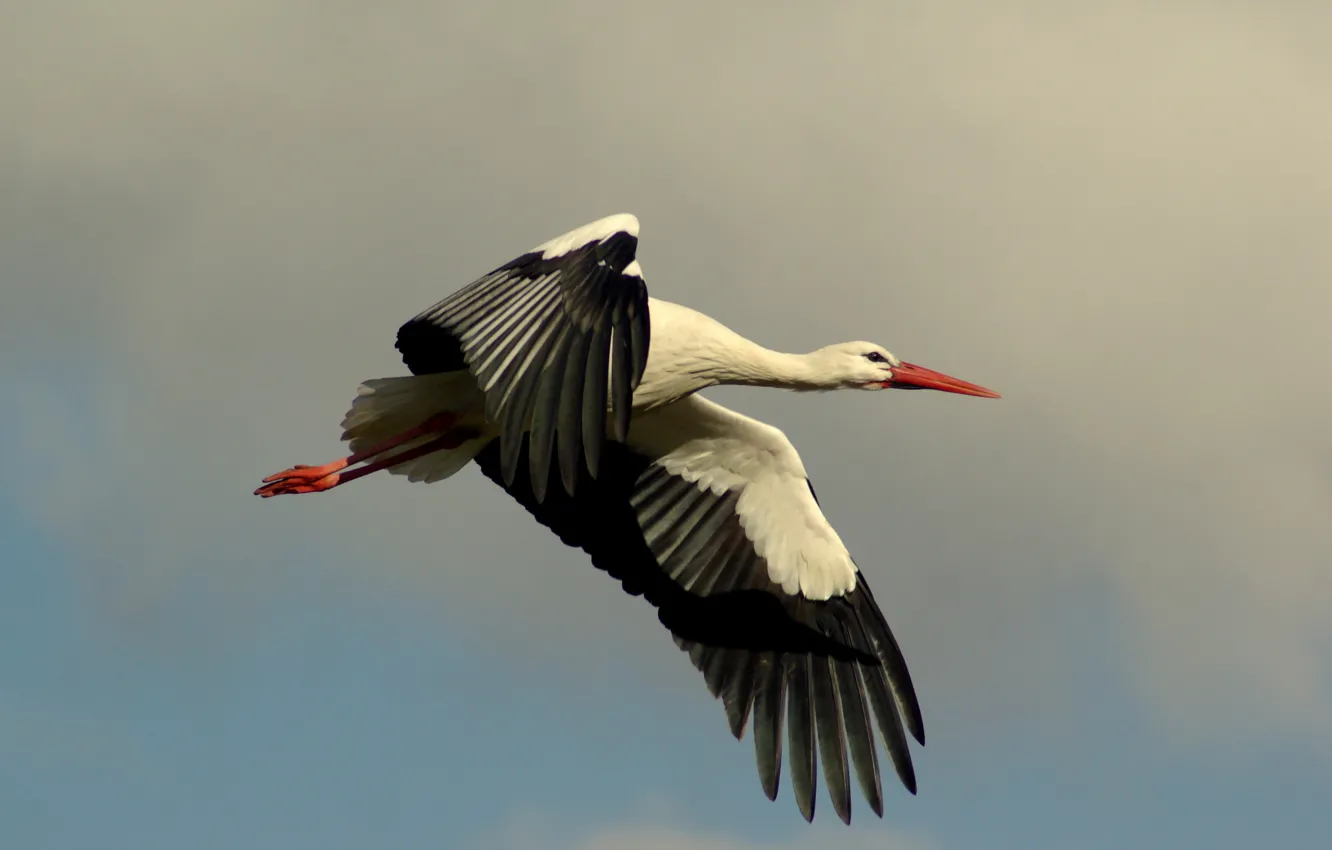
(876, 357)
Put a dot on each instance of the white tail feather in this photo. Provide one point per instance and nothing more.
(387, 406)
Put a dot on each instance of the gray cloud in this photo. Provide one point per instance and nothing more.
(216, 218)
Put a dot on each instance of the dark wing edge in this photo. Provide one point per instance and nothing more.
(555, 338)
(822, 667)
(832, 703)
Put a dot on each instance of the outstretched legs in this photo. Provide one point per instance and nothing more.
(316, 479)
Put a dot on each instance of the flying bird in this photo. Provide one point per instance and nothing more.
(577, 393)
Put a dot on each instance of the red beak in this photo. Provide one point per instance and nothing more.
(909, 376)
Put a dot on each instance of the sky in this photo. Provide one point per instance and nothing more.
(1111, 586)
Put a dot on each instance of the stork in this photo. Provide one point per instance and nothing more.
(577, 393)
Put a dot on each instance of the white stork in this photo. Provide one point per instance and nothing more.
(550, 362)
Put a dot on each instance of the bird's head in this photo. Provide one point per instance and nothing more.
(866, 366)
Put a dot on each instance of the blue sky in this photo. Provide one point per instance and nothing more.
(342, 716)
(1110, 586)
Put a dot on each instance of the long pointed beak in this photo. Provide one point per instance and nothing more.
(909, 376)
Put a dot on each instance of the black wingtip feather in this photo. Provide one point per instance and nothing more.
(831, 735)
(769, 703)
(800, 726)
(738, 690)
(894, 662)
(859, 735)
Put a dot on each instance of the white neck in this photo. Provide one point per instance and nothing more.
(721, 356)
(755, 366)
(691, 351)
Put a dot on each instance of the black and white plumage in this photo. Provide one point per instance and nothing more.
(541, 334)
(684, 546)
(558, 363)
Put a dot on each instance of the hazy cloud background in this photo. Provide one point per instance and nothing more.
(653, 831)
(215, 216)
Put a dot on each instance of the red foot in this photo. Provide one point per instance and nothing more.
(302, 479)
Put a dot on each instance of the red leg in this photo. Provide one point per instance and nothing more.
(314, 479)
(438, 422)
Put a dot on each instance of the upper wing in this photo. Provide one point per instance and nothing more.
(553, 337)
(686, 520)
